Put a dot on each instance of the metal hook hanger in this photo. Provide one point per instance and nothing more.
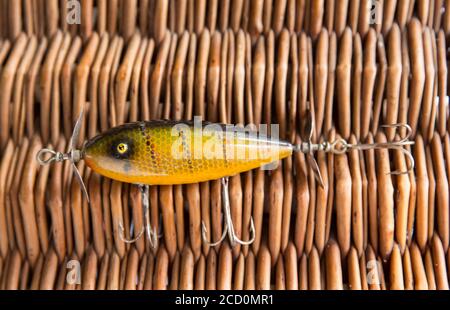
(341, 146)
(152, 235)
(228, 223)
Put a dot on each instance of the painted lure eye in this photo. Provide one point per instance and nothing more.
(122, 148)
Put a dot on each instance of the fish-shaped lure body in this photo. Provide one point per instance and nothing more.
(177, 152)
(170, 152)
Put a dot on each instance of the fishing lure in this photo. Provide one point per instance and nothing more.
(163, 152)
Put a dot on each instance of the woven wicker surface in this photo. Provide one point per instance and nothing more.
(232, 61)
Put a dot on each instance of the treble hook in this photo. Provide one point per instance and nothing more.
(392, 145)
(341, 146)
(228, 223)
(147, 227)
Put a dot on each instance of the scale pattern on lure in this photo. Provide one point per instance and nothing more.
(168, 152)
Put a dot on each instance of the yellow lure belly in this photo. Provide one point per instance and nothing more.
(170, 152)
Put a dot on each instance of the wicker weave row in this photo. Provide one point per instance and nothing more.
(155, 17)
(307, 236)
(367, 82)
(219, 271)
